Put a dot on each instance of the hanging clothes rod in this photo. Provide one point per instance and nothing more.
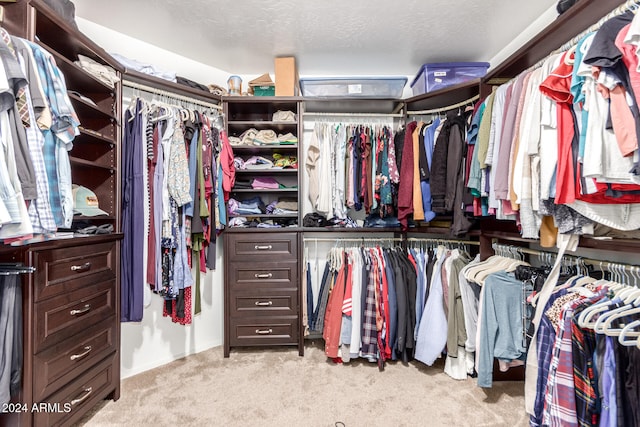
(390, 115)
(628, 5)
(361, 239)
(447, 108)
(436, 240)
(155, 91)
(15, 269)
(598, 262)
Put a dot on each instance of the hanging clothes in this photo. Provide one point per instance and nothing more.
(174, 178)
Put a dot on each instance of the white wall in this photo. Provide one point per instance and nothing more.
(114, 42)
(536, 26)
(157, 340)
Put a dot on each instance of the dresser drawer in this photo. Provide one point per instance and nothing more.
(258, 331)
(257, 275)
(59, 271)
(275, 302)
(62, 363)
(59, 318)
(69, 403)
(244, 247)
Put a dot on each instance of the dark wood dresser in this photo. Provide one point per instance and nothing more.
(263, 298)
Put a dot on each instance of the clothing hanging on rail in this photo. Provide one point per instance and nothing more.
(175, 179)
(394, 304)
(11, 347)
(38, 126)
(586, 375)
(561, 141)
(411, 175)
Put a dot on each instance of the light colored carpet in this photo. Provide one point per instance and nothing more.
(276, 387)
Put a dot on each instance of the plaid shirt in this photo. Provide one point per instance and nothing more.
(546, 339)
(40, 210)
(586, 390)
(560, 404)
(369, 331)
(63, 129)
(560, 401)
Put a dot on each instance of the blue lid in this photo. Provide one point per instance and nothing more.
(448, 65)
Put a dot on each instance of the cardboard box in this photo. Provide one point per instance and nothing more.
(286, 77)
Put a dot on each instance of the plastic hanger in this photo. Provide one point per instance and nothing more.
(628, 331)
(608, 323)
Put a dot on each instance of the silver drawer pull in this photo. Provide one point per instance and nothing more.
(263, 275)
(86, 351)
(264, 331)
(87, 392)
(83, 310)
(83, 267)
(263, 247)
(264, 303)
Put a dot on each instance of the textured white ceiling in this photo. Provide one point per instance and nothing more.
(327, 37)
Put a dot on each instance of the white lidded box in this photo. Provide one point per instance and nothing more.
(357, 87)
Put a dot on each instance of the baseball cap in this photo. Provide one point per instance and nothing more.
(85, 202)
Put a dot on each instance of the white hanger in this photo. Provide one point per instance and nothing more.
(614, 332)
(627, 332)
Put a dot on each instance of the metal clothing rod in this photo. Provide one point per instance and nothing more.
(12, 270)
(312, 114)
(628, 5)
(362, 239)
(171, 95)
(598, 262)
(436, 240)
(447, 108)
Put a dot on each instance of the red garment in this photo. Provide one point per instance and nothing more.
(387, 314)
(228, 167)
(151, 238)
(333, 315)
(557, 86)
(186, 320)
(405, 189)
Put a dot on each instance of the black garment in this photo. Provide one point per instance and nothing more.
(406, 286)
(604, 53)
(398, 142)
(456, 190)
(438, 178)
(423, 164)
(190, 83)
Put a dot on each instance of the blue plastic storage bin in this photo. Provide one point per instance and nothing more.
(356, 87)
(432, 77)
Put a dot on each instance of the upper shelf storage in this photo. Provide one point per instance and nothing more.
(444, 97)
(54, 32)
(352, 105)
(570, 24)
(170, 87)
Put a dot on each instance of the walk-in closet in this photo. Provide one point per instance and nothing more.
(319, 213)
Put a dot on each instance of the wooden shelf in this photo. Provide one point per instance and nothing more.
(348, 105)
(169, 86)
(444, 97)
(264, 216)
(267, 171)
(264, 190)
(263, 147)
(85, 109)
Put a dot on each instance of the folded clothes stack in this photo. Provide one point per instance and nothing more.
(265, 137)
(284, 116)
(279, 161)
(254, 206)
